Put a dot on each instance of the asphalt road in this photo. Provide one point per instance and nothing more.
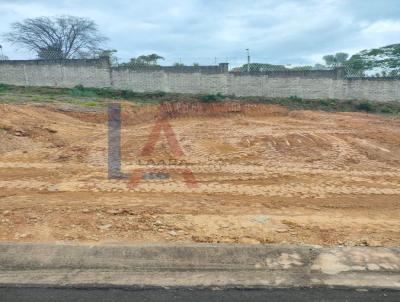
(24, 294)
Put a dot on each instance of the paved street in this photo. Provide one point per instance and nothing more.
(124, 294)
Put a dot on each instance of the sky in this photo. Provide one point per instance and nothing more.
(296, 32)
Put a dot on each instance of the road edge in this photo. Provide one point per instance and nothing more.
(198, 266)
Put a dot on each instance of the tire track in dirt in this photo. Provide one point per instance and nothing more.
(309, 177)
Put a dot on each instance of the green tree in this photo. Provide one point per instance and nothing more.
(357, 66)
(153, 58)
(136, 61)
(318, 66)
(302, 68)
(386, 59)
(341, 58)
(145, 60)
(338, 59)
(106, 53)
(329, 60)
(260, 67)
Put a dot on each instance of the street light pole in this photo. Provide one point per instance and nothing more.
(248, 59)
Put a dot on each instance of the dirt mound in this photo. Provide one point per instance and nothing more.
(133, 114)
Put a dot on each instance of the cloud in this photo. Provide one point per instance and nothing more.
(284, 32)
(382, 27)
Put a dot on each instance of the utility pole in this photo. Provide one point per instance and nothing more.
(1, 51)
(248, 59)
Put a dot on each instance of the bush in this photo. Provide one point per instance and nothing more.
(387, 110)
(365, 106)
(209, 98)
(295, 98)
(79, 90)
(4, 87)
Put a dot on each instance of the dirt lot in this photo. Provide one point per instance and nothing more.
(263, 175)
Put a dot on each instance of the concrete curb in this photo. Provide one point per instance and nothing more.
(198, 265)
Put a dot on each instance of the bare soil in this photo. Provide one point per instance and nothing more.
(263, 175)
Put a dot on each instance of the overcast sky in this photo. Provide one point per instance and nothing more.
(280, 32)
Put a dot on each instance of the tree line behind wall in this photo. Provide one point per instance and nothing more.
(68, 37)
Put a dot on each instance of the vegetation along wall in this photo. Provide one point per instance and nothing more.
(198, 79)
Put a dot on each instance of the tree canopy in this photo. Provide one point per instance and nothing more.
(62, 37)
(385, 59)
(259, 67)
(145, 60)
(338, 59)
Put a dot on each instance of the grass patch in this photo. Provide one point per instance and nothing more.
(42, 98)
(87, 103)
(330, 105)
(93, 97)
(39, 90)
(81, 91)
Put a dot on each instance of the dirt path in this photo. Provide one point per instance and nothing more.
(264, 175)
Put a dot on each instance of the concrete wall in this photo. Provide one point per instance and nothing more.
(375, 89)
(59, 73)
(181, 82)
(203, 79)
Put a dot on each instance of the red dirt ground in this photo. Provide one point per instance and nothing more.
(264, 175)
